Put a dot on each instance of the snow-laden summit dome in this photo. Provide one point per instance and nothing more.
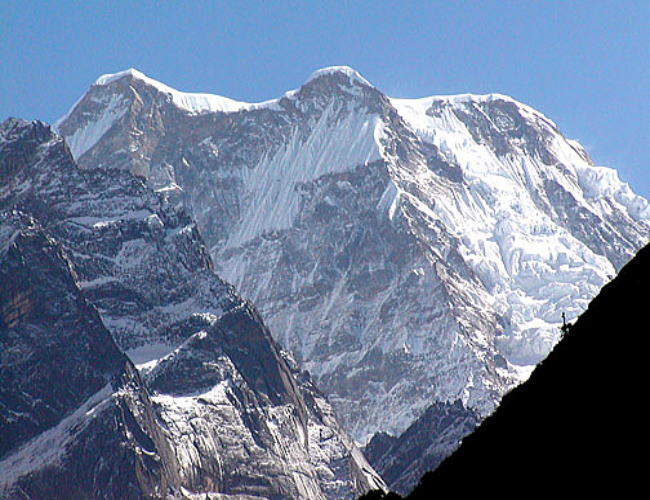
(192, 102)
(131, 72)
(351, 73)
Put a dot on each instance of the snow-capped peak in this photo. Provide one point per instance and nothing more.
(422, 104)
(199, 103)
(352, 74)
(502, 222)
(114, 105)
(131, 72)
(594, 182)
(194, 103)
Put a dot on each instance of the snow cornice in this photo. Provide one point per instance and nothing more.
(198, 103)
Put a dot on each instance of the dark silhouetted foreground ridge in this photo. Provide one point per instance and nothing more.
(573, 425)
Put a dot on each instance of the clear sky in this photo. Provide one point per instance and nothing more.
(585, 64)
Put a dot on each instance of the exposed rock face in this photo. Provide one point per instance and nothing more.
(558, 431)
(236, 415)
(406, 251)
(403, 460)
(39, 294)
(275, 438)
(75, 418)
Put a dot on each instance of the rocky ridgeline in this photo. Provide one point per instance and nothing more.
(99, 264)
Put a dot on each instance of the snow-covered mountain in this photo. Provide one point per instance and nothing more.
(406, 251)
(224, 411)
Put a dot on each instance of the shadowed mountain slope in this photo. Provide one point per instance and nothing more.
(76, 420)
(222, 411)
(434, 436)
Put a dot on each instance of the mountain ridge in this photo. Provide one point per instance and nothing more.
(468, 235)
(231, 414)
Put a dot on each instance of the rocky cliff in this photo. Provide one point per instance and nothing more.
(236, 414)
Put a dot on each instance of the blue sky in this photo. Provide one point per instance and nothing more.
(585, 64)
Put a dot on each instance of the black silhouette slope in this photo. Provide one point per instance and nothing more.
(574, 424)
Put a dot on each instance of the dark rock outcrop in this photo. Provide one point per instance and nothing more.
(75, 418)
(233, 413)
(401, 461)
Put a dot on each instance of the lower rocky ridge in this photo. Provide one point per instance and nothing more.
(401, 461)
(75, 418)
(234, 431)
(235, 415)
